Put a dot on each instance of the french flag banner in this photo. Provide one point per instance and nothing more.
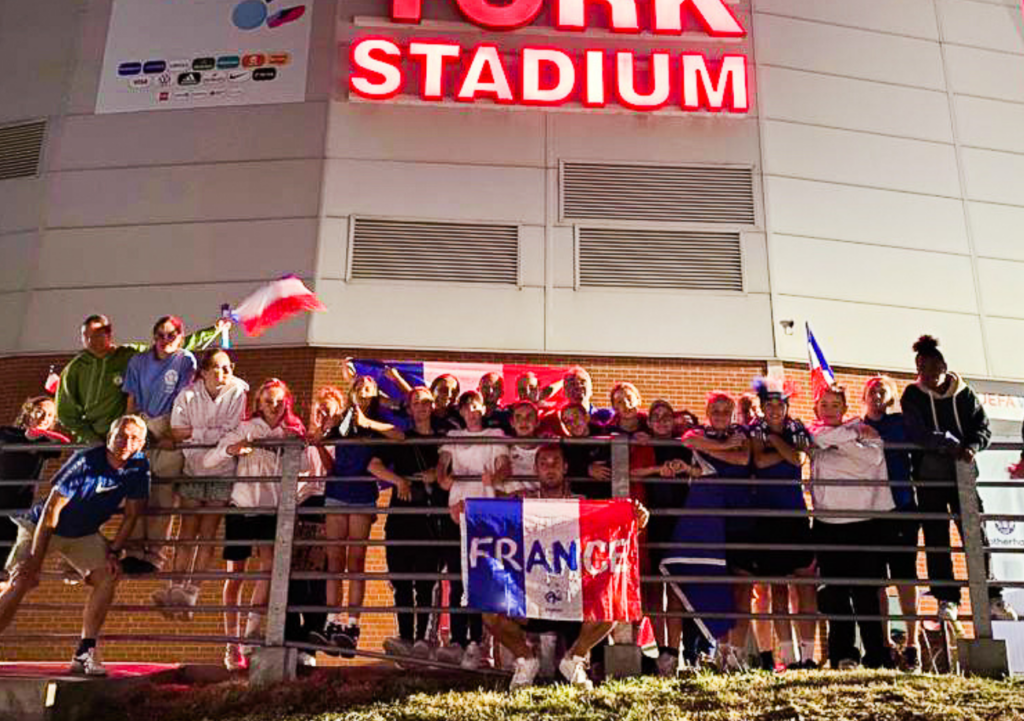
(556, 559)
(822, 377)
(273, 303)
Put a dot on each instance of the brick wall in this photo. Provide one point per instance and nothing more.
(683, 382)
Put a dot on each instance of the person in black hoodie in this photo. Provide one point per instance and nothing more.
(945, 416)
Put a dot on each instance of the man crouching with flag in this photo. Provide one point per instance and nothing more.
(555, 564)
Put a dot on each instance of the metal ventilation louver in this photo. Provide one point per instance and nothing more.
(673, 259)
(435, 252)
(657, 193)
(20, 149)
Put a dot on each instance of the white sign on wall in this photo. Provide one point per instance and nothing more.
(174, 54)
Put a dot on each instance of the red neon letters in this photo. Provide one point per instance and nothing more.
(623, 15)
(549, 76)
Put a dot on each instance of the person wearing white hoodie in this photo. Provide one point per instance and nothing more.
(848, 451)
(209, 407)
(271, 417)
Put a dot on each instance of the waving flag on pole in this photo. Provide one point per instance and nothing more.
(274, 303)
(52, 381)
(822, 377)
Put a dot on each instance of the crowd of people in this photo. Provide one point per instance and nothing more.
(166, 412)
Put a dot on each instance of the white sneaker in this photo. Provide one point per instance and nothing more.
(472, 659)
(395, 646)
(452, 653)
(233, 659)
(305, 658)
(950, 612)
(87, 663)
(526, 671)
(1001, 611)
(574, 669)
(420, 649)
(668, 664)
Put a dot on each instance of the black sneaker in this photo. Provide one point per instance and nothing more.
(326, 636)
(766, 661)
(911, 660)
(132, 566)
(347, 639)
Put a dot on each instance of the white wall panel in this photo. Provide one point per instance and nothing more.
(755, 262)
(434, 191)
(844, 51)
(203, 135)
(998, 230)
(372, 131)
(986, 74)
(697, 325)
(12, 310)
(155, 254)
(983, 25)
(332, 250)
(854, 104)
(17, 253)
(843, 156)
(472, 317)
(531, 256)
(36, 43)
(878, 337)
(872, 274)
(53, 317)
(843, 212)
(651, 138)
(563, 245)
(1006, 346)
(229, 191)
(994, 177)
(906, 17)
(20, 204)
(992, 124)
(1001, 287)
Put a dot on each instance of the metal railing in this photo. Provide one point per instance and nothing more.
(275, 659)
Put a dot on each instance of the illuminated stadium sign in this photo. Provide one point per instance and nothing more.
(434, 69)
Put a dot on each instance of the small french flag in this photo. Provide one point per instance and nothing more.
(52, 381)
(557, 559)
(822, 377)
(274, 303)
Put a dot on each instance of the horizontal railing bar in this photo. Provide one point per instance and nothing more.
(403, 659)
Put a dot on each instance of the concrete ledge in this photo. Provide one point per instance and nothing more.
(983, 657)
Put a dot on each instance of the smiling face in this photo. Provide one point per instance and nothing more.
(492, 388)
(830, 408)
(626, 404)
(720, 414)
(577, 387)
(446, 392)
(271, 404)
(576, 421)
(126, 441)
(421, 405)
(217, 373)
(42, 416)
(878, 397)
(325, 407)
(524, 420)
(472, 412)
(662, 420)
(364, 390)
(775, 410)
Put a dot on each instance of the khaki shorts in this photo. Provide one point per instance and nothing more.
(85, 554)
(163, 464)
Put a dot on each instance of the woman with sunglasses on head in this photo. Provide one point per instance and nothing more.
(34, 424)
(204, 412)
(271, 417)
(362, 418)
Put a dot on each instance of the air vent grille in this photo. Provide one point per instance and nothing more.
(20, 149)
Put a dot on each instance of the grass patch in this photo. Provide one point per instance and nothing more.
(382, 695)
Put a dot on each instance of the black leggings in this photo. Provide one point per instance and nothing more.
(412, 559)
(465, 627)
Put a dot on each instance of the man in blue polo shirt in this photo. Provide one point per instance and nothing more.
(86, 492)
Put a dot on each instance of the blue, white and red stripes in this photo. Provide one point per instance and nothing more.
(822, 377)
(557, 559)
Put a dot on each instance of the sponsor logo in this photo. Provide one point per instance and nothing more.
(179, 65)
(189, 78)
(127, 69)
(153, 67)
(239, 76)
(204, 64)
(217, 92)
(163, 79)
(139, 83)
(264, 73)
(215, 77)
(1006, 527)
(181, 95)
(278, 59)
(254, 60)
(200, 94)
(227, 62)
(163, 96)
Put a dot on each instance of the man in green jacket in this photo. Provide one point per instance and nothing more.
(90, 398)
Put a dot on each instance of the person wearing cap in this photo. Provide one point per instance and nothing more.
(86, 493)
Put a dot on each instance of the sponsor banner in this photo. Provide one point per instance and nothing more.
(155, 47)
(556, 559)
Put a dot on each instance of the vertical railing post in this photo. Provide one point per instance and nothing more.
(980, 656)
(273, 662)
(622, 656)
